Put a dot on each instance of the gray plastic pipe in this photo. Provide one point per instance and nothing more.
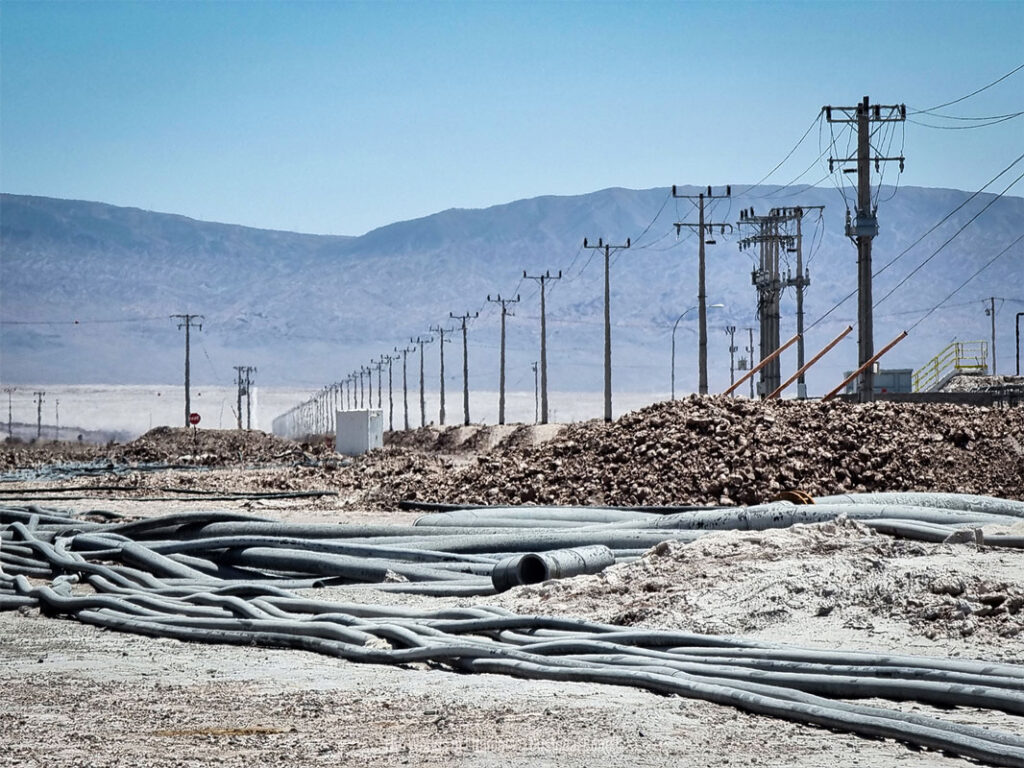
(535, 567)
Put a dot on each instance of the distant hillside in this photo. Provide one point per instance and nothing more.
(307, 309)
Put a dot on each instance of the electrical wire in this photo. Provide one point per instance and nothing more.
(972, 93)
(951, 238)
(964, 127)
(789, 154)
(985, 266)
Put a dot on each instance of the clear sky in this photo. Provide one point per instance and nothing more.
(338, 117)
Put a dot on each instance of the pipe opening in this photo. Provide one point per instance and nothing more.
(532, 570)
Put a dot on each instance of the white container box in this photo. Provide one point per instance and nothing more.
(357, 432)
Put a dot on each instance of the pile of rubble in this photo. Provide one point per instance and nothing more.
(719, 450)
(212, 447)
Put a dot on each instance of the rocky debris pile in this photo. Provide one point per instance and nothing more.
(720, 450)
(831, 575)
(212, 447)
(16, 454)
(979, 383)
(474, 438)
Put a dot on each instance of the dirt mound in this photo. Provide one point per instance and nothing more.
(208, 446)
(837, 573)
(475, 438)
(722, 450)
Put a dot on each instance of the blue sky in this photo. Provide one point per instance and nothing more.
(338, 117)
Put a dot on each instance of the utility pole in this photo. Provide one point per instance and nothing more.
(750, 357)
(10, 421)
(731, 330)
(705, 232)
(391, 392)
(863, 227)
(238, 392)
(423, 397)
(535, 388)
(249, 370)
(187, 322)
(379, 365)
(362, 387)
(801, 281)
(543, 280)
(769, 238)
(56, 416)
(369, 386)
(465, 361)
(991, 312)
(404, 352)
(440, 331)
(39, 414)
(501, 377)
(601, 245)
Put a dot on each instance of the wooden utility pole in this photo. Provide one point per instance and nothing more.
(187, 322)
(705, 231)
(863, 226)
(501, 375)
(602, 246)
(440, 331)
(465, 361)
(535, 392)
(423, 397)
(543, 280)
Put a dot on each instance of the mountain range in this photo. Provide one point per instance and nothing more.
(87, 289)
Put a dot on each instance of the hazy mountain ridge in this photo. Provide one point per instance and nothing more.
(307, 309)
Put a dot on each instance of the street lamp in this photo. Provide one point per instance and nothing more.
(674, 326)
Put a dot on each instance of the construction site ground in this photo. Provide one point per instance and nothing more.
(78, 696)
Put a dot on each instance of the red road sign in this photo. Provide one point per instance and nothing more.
(193, 419)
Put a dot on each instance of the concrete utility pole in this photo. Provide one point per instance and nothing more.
(705, 232)
(768, 236)
(801, 281)
(750, 357)
(543, 280)
(465, 361)
(601, 245)
(440, 331)
(991, 312)
(238, 392)
(501, 376)
(39, 414)
(187, 322)
(389, 359)
(731, 330)
(535, 393)
(56, 417)
(249, 371)
(369, 386)
(404, 352)
(362, 387)
(423, 396)
(379, 365)
(10, 421)
(864, 225)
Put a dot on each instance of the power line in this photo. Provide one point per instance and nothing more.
(985, 266)
(965, 127)
(972, 93)
(951, 238)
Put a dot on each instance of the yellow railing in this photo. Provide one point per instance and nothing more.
(958, 357)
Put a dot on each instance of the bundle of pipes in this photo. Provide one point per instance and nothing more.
(227, 578)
